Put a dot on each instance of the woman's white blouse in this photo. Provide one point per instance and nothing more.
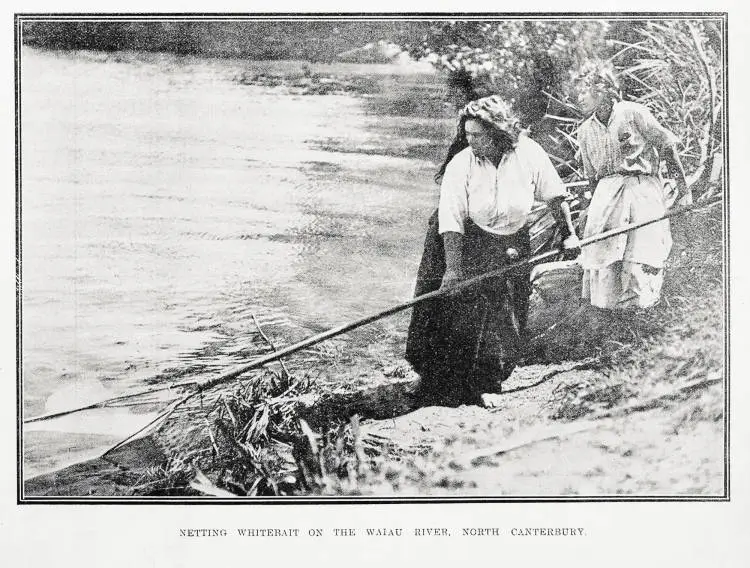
(498, 199)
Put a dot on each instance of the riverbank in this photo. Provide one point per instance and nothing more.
(631, 406)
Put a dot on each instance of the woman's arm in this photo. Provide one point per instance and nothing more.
(549, 188)
(561, 213)
(665, 142)
(454, 263)
(452, 211)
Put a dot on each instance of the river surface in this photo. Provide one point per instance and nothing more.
(164, 204)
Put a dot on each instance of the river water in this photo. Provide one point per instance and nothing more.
(164, 204)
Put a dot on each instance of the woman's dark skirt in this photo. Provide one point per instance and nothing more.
(468, 343)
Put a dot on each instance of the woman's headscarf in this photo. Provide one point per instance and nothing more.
(495, 111)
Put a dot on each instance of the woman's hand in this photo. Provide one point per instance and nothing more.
(572, 243)
(561, 213)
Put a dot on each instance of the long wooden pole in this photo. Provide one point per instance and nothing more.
(235, 372)
(466, 284)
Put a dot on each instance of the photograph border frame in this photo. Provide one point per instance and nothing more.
(21, 18)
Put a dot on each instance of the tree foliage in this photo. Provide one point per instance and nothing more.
(518, 59)
(671, 66)
(167, 36)
(309, 40)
